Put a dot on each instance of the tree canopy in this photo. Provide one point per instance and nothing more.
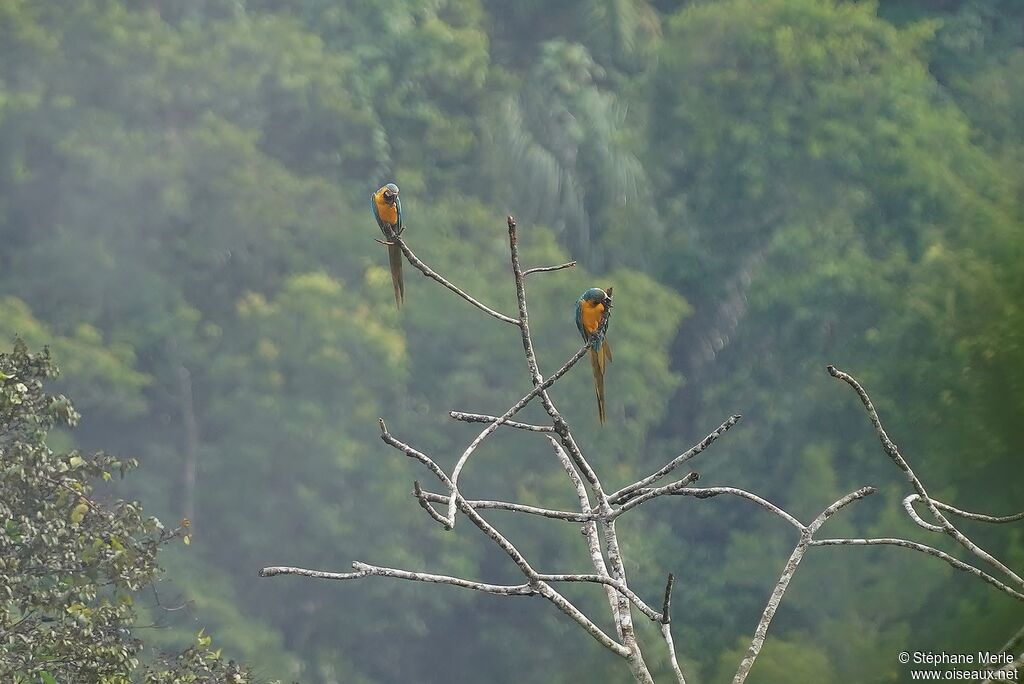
(769, 185)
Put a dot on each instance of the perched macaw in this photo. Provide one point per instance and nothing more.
(593, 311)
(387, 209)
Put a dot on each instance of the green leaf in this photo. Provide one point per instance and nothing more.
(78, 512)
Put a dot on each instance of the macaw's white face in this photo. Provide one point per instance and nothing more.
(390, 193)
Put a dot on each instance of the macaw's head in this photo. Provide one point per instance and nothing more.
(596, 295)
(390, 193)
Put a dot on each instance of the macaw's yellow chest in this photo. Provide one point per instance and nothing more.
(591, 314)
(388, 212)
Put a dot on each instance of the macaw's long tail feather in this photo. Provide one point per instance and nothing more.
(607, 350)
(597, 365)
(395, 259)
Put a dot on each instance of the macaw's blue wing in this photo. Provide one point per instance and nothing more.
(398, 209)
(376, 214)
(579, 318)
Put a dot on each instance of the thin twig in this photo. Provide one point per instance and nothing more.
(711, 492)
(392, 441)
(666, 634)
(421, 496)
(483, 418)
(1013, 642)
(484, 504)
(319, 574)
(365, 570)
(837, 506)
(654, 615)
(923, 548)
(433, 275)
(623, 494)
(489, 430)
(980, 517)
(648, 494)
(908, 506)
(548, 269)
(666, 629)
(666, 605)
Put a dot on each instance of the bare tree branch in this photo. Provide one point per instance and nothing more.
(624, 493)
(648, 494)
(894, 454)
(508, 590)
(654, 615)
(483, 418)
(541, 587)
(1016, 640)
(417, 491)
(274, 570)
(642, 497)
(366, 570)
(923, 548)
(589, 528)
(980, 517)
(433, 275)
(489, 430)
(787, 576)
(666, 629)
(638, 668)
(666, 634)
(598, 515)
(908, 506)
(711, 492)
(519, 508)
(837, 506)
(548, 269)
(769, 610)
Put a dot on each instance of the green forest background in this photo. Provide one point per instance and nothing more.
(770, 186)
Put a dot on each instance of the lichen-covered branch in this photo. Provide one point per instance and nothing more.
(548, 269)
(489, 430)
(483, 418)
(624, 493)
(616, 568)
(980, 517)
(366, 570)
(923, 548)
(433, 275)
(786, 577)
(890, 448)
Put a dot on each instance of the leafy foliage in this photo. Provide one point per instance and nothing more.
(71, 567)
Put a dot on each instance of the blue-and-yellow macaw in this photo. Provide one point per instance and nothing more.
(387, 209)
(593, 311)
